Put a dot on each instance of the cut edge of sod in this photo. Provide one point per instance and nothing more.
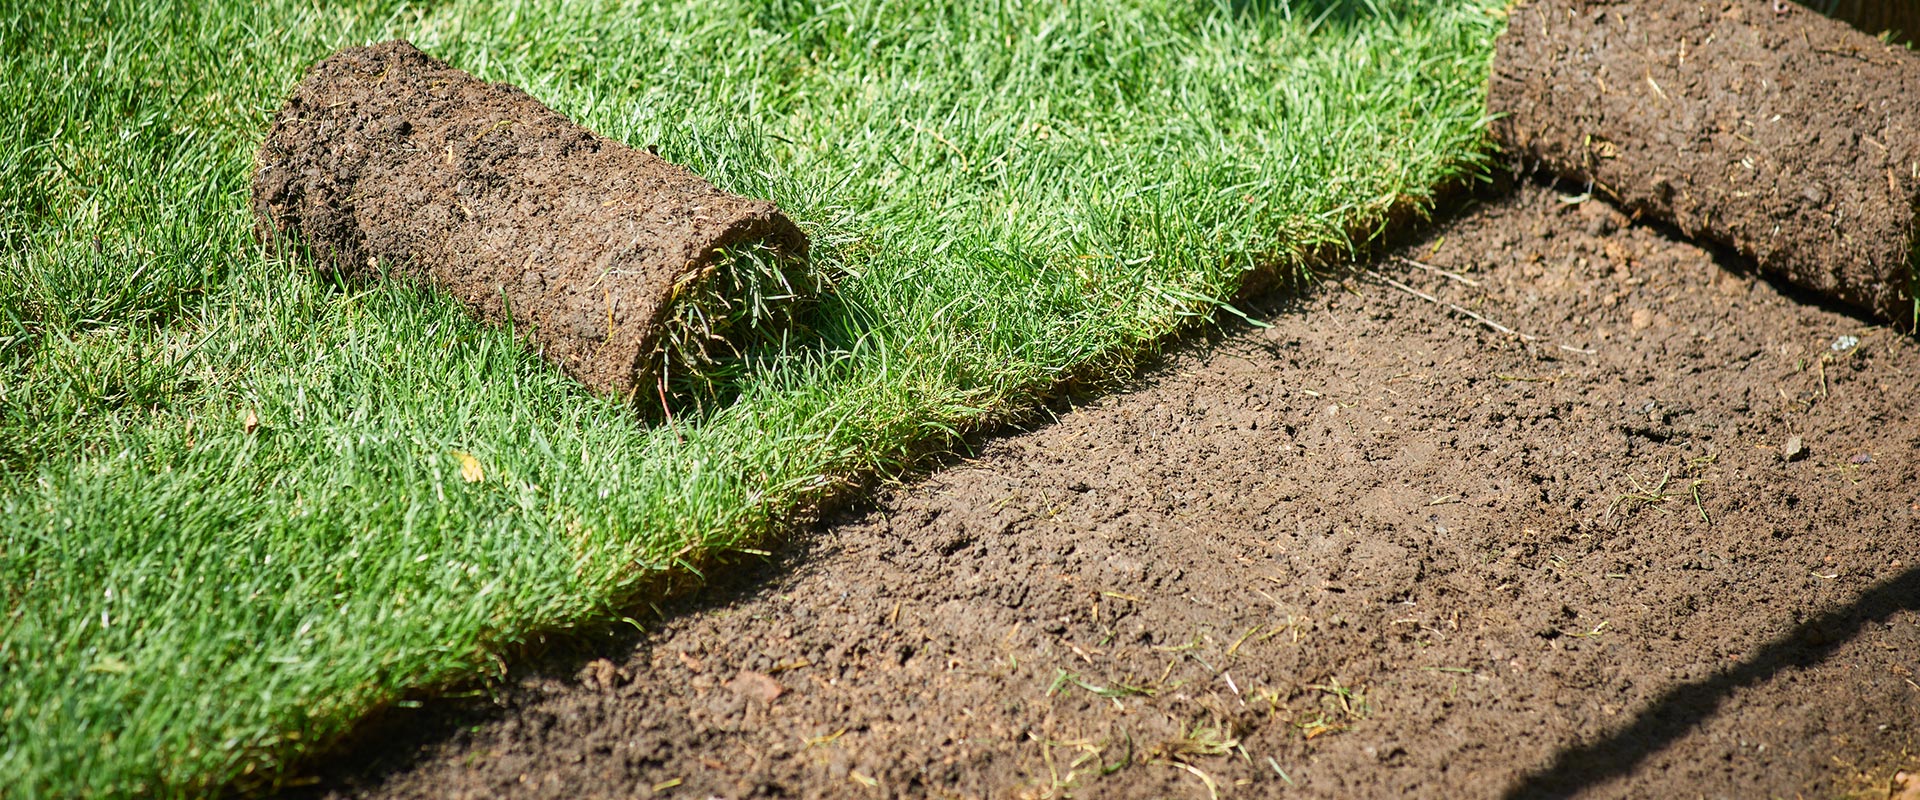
(743, 301)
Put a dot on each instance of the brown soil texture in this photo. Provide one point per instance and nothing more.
(1789, 136)
(387, 161)
(1665, 547)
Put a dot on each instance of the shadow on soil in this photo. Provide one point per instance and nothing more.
(1724, 255)
(1684, 707)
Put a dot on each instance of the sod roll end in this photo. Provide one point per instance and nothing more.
(1789, 136)
(630, 273)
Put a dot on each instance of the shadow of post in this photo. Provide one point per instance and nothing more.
(1682, 708)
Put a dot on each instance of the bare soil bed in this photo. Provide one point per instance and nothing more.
(1665, 548)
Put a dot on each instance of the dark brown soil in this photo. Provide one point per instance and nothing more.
(1787, 135)
(1665, 549)
(386, 160)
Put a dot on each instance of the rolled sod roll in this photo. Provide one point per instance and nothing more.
(1788, 136)
(620, 267)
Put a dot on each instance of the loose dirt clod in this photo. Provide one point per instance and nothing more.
(1789, 136)
(633, 274)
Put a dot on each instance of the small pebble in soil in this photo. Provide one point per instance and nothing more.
(1795, 449)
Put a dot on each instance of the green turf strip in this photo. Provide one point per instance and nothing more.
(1017, 192)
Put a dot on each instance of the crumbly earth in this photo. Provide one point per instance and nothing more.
(1790, 136)
(1659, 542)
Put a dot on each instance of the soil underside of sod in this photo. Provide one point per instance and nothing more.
(1666, 548)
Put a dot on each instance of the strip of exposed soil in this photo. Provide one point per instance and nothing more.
(1668, 548)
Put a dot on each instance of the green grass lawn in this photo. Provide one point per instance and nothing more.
(1018, 192)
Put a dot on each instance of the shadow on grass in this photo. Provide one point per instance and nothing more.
(1682, 708)
(1872, 17)
(1322, 15)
